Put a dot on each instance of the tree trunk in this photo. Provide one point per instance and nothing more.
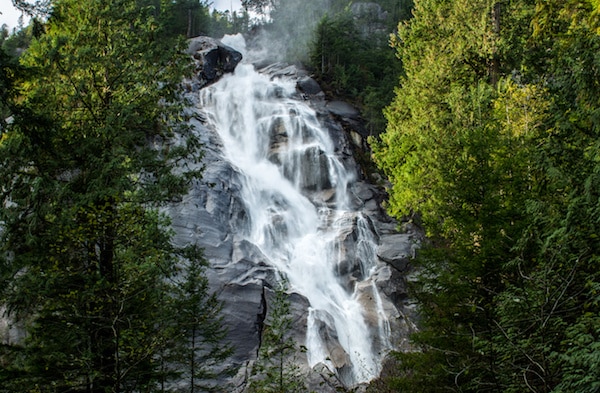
(190, 23)
(494, 68)
(106, 348)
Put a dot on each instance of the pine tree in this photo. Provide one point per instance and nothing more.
(197, 350)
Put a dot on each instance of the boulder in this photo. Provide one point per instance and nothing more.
(309, 86)
(397, 250)
(213, 59)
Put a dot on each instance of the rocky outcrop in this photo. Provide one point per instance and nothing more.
(212, 59)
(10, 332)
(213, 216)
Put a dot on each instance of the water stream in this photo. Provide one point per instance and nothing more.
(296, 194)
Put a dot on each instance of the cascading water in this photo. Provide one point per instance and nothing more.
(296, 194)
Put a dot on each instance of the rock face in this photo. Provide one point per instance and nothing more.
(10, 332)
(370, 18)
(213, 216)
(210, 216)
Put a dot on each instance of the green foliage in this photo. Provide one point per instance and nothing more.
(7, 69)
(275, 370)
(337, 40)
(492, 143)
(87, 264)
(354, 62)
(581, 359)
(20, 39)
(188, 18)
(191, 18)
(224, 22)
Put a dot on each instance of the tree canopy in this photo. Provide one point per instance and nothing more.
(490, 144)
(88, 271)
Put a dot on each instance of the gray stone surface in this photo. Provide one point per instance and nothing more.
(309, 86)
(342, 109)
(214, 217)
(397, 250)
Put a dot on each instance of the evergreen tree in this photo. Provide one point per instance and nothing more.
(96, 146)
(357, 66)
(275, 370)
(188, 18)
(336, 44)
(561, 273)
(7, 70)
(197, 349)
(491, 142)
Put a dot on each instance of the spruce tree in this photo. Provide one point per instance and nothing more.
(197, 351)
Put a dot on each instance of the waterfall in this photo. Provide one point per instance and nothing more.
(299, 211)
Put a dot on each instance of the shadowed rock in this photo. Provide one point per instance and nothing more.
(213, 59)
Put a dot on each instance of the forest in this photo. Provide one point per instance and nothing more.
(492, 145)
(484, 118)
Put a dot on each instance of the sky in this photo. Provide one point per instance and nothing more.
(10, 15)
(224, 4)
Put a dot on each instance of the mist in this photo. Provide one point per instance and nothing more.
(288, 29)
(9, 15)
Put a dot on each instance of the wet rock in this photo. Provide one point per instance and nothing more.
(309, 86)
(214, 217)
(242, 314)
(337, 355)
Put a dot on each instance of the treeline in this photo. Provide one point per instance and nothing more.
(95, 296)
(188, 18)
(351, 57)
(345, 44)
(492, 144)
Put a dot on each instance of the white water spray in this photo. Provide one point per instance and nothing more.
(296, 195)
